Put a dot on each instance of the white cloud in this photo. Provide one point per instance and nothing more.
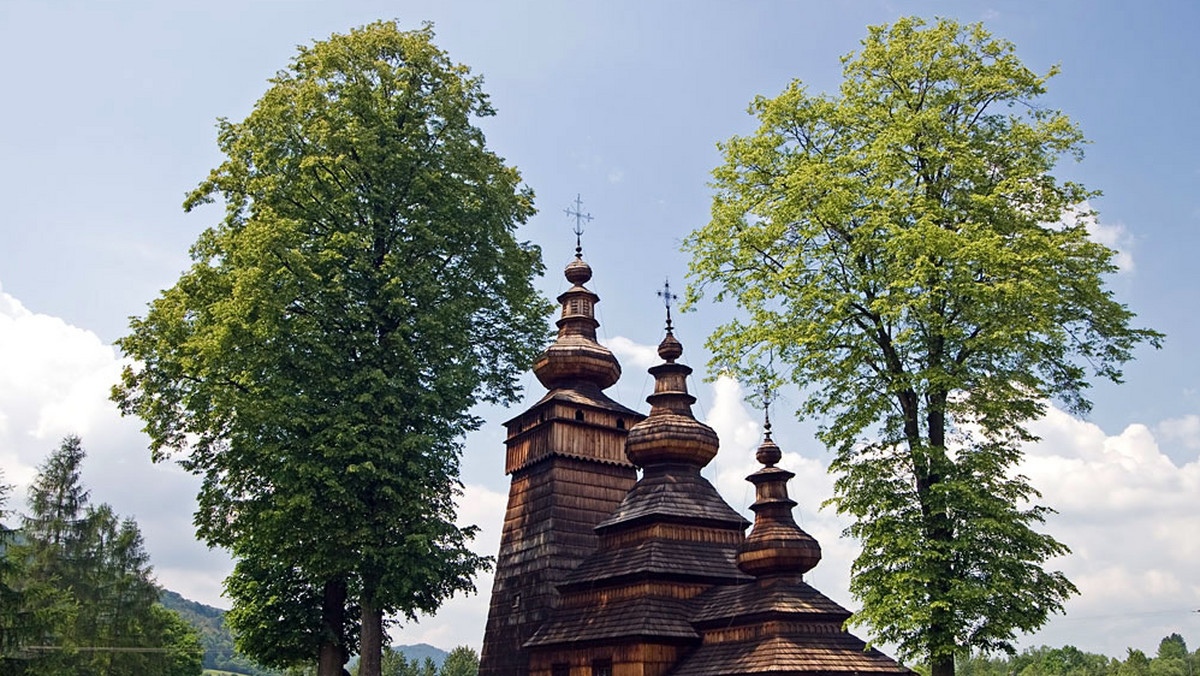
(1112, 235)
(54, 381)
(633, 356)
(1185, 431)
(1116, 237)
(1131, 517)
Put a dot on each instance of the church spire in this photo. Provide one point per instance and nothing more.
(671, 434)
(776, 546)
(575, 359)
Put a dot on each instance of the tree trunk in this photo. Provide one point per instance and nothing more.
(940, 533)
(942, 665)
(371, 639)
(333, 615)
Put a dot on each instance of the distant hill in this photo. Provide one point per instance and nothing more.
(413, 653)
(219, 653)
(420, 651)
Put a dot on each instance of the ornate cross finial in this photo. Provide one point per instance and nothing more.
(580, 217)
(766, 399)
(667, 297)
(764, 391)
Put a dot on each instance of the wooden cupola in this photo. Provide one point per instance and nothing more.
(569, 471)
(778, 625)
(625, 611)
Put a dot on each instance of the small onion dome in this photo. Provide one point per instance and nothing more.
(578, 272)
(671, 434)
(776, 545)
(768, 453)
(670, 349)
(575, 359)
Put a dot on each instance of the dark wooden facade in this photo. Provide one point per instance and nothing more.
(604, 574)
(566, 455)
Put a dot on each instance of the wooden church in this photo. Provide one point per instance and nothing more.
(601, 573)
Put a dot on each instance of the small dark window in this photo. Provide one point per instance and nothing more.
(560, 669)
(602, 667)
(516, 603)
(579, 415)
(620, 423)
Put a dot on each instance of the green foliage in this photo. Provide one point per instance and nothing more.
(318, 362)
(277, 609)
(19, 621)
(1172, 647)
(89, 601)
(462, 661)
(1173, 658)
(184, 651)
(1070, 661)
(898, 251)
(1135, 664)
(1065, 661)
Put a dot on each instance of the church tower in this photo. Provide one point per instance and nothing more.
(626, 609)
(566, 456)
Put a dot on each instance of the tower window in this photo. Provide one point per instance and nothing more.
(620, 423)
(602, 667)
(560, 669)
(579, 415)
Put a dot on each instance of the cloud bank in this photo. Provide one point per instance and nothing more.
(54, 381)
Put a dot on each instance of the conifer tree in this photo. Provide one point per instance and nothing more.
(104, 616)
(12, 636)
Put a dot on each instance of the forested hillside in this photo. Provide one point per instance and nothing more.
(209, 622)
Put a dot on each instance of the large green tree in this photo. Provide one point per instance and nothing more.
(318, 362)
(904, 253)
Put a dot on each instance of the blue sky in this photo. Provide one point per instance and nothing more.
(108, 120)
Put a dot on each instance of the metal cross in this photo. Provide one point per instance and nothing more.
(580, 217)
(667, 297)
(766, 399)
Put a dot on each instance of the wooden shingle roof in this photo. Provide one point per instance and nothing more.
(808, 654)
(670, 559)
(586, 394)
(653, 618)
(673, 493)
(765, 598)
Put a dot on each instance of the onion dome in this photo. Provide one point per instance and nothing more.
(776, 545)
(671, 434)
(575, 359)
